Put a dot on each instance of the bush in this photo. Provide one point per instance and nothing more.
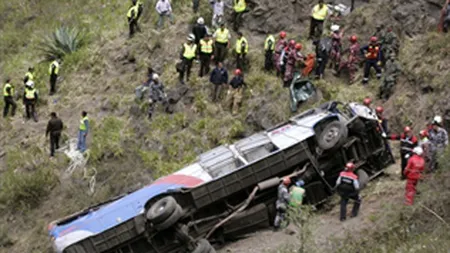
(63, 41)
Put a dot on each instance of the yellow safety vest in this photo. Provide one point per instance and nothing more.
(270, 47)
(30, 76)
(5, 92)
(130, 13)
(222, 36)
(206, 46)
(83, 126)
(29, 94)
(189, 51)
(320, 13)
(239, 5)
(239, 43)
(56, 65)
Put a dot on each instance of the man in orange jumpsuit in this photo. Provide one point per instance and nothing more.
(413, 172)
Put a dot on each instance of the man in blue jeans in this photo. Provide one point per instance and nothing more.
(83, 132)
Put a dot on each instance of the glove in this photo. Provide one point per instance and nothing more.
(384, 135)
(379, 63)
(407, 156)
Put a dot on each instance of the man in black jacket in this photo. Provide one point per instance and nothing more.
(219, 78)
(323, 49)
(54, 128)
(199, 30)
(235, 92)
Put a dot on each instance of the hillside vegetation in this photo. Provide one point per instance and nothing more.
(126, 150)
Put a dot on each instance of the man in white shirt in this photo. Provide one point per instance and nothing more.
(218, 8)
(164, 8)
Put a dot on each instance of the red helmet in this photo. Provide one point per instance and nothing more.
(292, 43)
(367, 101)
(286, 181)
(423, 133)
(282, 34)
(350, 166)
(373, 39)
(298, 46)
(379, 109)
(353, 38)
(237, 72)
(407, 129)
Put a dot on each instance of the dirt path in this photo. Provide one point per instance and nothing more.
(327, 226)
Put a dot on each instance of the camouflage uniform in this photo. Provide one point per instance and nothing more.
(390, 43)
(156, 95)
(392, 69)
(439, 138)
(380, 34)
(281, 204)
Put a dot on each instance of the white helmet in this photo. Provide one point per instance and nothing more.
(418, 150)
(155, 76)
(191, 37)
(29, 84)
(437, 119)
(334, 28)
(200, 21)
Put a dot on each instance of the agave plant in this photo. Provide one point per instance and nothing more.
(61, 42)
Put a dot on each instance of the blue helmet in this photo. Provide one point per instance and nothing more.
(300, 183)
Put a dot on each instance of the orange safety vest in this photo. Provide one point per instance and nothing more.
(372, 52)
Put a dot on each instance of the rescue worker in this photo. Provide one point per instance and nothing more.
(439, 137)
(367, 101)
(310, 62)
(429, 152)
(297, 193)
(279, 46)
(195, 5)
(218, 10)
(336, 47)
(392, 69)
(199, 30)
(294, 57)
(53, 71)
(29, 76)
(241, 51)
(323, 50)
(132, 16)
(282, 202)
(407, 143)
(390, 44)
(140, 6)
(318, 15)
(235, 92)
(221, 43)
(269, 48)
(284, 56)
(353, 59)
(30, 97)
(239, 7)
(219, 78)
(54, 128)
(8, 97)
(379, 33)
(83, 131)
(188, 54)
(164, 8)
(382, 120)
(348, 187)
(156, 95)
(413, 172)
(373, 55)
(206, 49)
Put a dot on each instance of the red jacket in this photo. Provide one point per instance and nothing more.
(416, 164)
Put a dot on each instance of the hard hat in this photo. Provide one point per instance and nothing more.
(373, 39)
(298, 46)
(353, 38)
(350, 166)
(237, 72)
(418, 150)
(286, 181)
(423, 133)
(300, 183)
(407, 129)
(200, 21)
(155, 76)
(282, 34)
(367, 101)
(334, 28)
(379, 109)
(292, 43)
(437, 120)
(191, 37)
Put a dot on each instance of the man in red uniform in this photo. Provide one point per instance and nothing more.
(373, 56)
(407, 143)
(413, 172)
(279, 46)
(336, 46)
(347, 186)
(284, 56)
(353, 58)
(293, 58)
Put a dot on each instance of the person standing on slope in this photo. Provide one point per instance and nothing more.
(282, 203)
(348, 187)
(413, 172)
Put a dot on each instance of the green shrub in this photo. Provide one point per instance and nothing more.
(63, 41)
(108, 138)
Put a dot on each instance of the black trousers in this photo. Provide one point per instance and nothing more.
(268, 60)
(9, 102)
(237, 20)
(368, 65)
(187, 65)
(205, 61)
(30, 109)
(54, 142)
(220, 51)
(240, 61)
(344, 201)
(321, 65)
(133, 26)
(53, 79)
(195, 5)
(315, 24)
